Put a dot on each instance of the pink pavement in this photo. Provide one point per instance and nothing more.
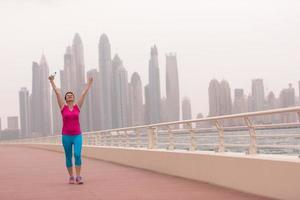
(33, 174)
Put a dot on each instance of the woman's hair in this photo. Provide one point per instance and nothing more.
(69, 93)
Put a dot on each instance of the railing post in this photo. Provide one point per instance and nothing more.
(171, 138)
(192, 137)
(151, 138)
(138, 138)
(252, 146)
(119, 141)
(111, 138)
(298, 113)
(220, 129)
(127, 138)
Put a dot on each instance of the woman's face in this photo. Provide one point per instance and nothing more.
(69, 97)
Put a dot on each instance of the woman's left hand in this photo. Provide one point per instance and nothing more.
(90, 81)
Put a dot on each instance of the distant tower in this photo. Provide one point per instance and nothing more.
(136, 99)
(12, 122)
(147, 105)
(186, 109)
(172, 89)
(225, 95)
(40, 99)
(116, 93)
(287, 99)
(239, 105)
(258, 94)
(79, 69)
(214, 98)
(106, 82)
(272, 104)
(93, 101)
(154, 87)
(24, 105)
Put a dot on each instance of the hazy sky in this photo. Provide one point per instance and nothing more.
(236, 40)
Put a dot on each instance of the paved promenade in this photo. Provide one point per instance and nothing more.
(33, 174)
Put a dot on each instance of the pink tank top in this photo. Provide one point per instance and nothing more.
(71, 124)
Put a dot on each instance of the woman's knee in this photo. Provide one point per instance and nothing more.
(77, 159)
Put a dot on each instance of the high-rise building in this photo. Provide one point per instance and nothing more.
(120, 95)
(287, 99)
(116, 93)
(56, 115)
(0, 126)
(186, 109)
(154, 87)
(24, 106)
(239, 105)
(93, 99)
(164, 110)
(272, 104)
(40, 99)
(172, 89)
(12, 122)
(147, 105)
(106, 82)
(136, 100)
(214, 98)
(258, 94)
(225, 95)
(78, 52)
(123, 85)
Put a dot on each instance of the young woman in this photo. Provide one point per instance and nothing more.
(71, 132)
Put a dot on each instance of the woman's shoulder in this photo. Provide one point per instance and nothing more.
(63, 107)
(76, 106)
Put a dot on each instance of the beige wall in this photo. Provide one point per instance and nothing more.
(277, 177)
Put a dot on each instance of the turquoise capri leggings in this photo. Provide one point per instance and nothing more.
(68, 142)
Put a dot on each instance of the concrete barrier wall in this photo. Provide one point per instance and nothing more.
(276, 177)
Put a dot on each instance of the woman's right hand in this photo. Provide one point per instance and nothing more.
(51, 77)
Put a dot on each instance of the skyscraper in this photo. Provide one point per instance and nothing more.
(136, 100)
(79, 69)
(225, 95)
(116, 93)
(258, 94)
(186, 109)
(68, 75)
(272, 103)
(164, 112)
(24, 106)
(106, 82)
(154, 87)
(12, 122)
(214, 98)
(147, 105)
(287, 99)
(93, 101)
(239, 105)
(172, 89)
(40, 99)
(123, 85)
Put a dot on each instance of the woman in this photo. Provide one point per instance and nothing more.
(71, 132)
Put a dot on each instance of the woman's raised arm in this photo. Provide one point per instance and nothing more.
(59, 98)
(84, 92)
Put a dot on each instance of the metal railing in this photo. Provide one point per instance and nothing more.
(219, 134)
